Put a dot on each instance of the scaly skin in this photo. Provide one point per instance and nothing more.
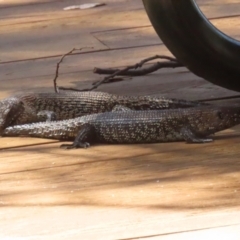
(38, 107)
(189, 124)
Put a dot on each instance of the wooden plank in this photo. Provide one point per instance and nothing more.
(141, 36)
(98, 182)
(45, 42)
(52, 42)
(114, 223)
(225, 232)
(52, 11)
(31, 35)
(111, 191)
(218, 8)
(138, 36)
(37, 38)
(26, 8)
(10, 3)
(25, 142)
(228, 26)
(77, 62)
(38, 75)
(177, 83)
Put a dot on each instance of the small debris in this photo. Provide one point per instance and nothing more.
(84, 6)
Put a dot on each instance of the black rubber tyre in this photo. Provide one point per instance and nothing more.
(195, 42)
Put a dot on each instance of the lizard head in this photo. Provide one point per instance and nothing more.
(228, 116)
(211, 120)
(10, 108)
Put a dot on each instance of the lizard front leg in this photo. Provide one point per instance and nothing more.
(86, 132)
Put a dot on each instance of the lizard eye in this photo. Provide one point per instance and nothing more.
(220, 115)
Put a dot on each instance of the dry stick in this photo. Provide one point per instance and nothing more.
(139, 72)
(56, 89)
(114, 72)
(124, 71)
(98, 83)
(172, 63)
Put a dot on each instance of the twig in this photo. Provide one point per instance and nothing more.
(56, 89)
(139, 72)
(98, 83)
(125, 71)
(172, 61)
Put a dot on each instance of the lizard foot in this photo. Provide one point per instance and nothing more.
(190, 137)
(75, 145)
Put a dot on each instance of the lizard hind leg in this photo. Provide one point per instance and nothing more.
(85, 133)
(190, 137)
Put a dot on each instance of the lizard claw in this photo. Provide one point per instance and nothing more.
(75, 145)
(85, 145)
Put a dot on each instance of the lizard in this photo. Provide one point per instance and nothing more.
(193, 125)
(38, 107)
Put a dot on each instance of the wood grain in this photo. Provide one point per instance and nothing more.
(149, 191)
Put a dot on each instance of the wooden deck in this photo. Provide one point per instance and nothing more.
(157, 191)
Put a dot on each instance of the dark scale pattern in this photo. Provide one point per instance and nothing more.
(154, 103)
(138, 126)
(67, 105)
